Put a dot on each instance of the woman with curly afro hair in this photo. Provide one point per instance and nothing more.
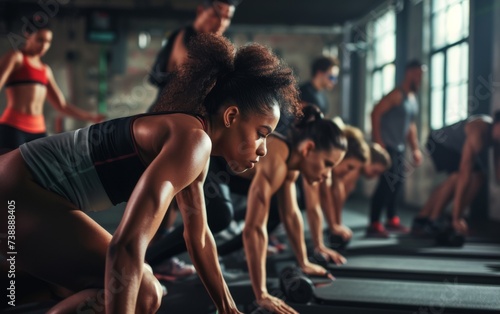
(231, 102)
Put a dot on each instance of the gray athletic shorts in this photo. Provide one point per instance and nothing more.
(61, 163)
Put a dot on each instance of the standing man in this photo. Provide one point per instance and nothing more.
(393, 124)
(212, 16)
(325, 71)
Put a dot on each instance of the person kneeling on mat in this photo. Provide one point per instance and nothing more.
(461, 150)
(233, 99)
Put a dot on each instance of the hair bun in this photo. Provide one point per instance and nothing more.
(310, 113)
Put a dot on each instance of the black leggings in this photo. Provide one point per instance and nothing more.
(388, 187)
(218, 187)
(12, 138)
(236, 243)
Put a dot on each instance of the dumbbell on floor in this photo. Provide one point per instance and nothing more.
(336, 242)
(296, 286)
(449, 237)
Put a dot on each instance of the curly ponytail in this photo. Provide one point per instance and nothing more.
(210, 57)
(253, 78)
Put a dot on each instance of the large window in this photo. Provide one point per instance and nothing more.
(380, 61)
(449, 61)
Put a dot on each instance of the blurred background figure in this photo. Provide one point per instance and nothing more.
(29, 83)
(324, 77)
(394, 124)
(212, 16)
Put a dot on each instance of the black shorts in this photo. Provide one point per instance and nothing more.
(448, 160)
(444, 159)
(12, 138)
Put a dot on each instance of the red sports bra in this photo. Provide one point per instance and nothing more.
(27, 74)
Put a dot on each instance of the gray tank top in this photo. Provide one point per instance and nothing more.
(395, 123)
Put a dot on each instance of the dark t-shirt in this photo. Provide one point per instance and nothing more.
(158, 76)
(311, 95)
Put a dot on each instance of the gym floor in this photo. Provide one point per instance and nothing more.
(396, 275)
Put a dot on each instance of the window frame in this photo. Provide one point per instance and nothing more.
(374, 68)
(443, 49)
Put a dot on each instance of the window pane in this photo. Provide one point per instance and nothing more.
(464, 62)
(384, 39)
(439, 30)
(385, 24)
(453, 113)
(388, 75)
(438, 5)
(450, 24)
(381, 53)
(390, 22)
(376, 86)
(454, 21)
(436, 109)
(453, 64)
(465, 16)
(463, 94)
(390, 48)
(437, 70)
(379, 60)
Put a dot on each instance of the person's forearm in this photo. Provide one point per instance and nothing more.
(414, 145)
(255, 242)
(122, 280)
(338, 213)
(76, 112)
(413, 142)
(376, 136)
(412, 138)
(315, 219)
(204, 257)
(349, 187)
(295, 229)
(327, 204)
(339, 197)
(458, 198)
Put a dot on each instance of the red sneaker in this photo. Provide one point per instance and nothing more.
(376, 230)
(274, 241)
(394, 225)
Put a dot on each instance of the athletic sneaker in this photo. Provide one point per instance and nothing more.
(376, 230)
(275, 242)
(394, 225)
(172, 269)
(271, 250)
